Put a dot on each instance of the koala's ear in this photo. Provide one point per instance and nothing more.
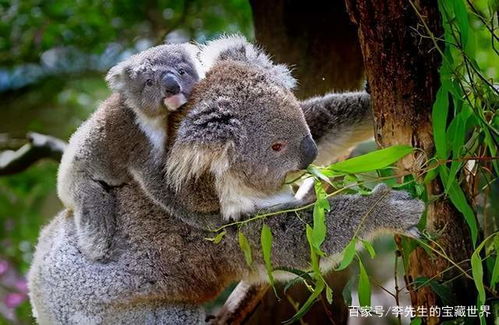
(237, 48)
(205, 142)
(117, 76)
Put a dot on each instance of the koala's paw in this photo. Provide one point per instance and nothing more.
(398, 210)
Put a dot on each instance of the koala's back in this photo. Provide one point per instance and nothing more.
(101, 147)
(157, 258)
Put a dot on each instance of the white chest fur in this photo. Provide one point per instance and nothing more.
(155, 130)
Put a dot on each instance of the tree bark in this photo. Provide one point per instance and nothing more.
(402, 70)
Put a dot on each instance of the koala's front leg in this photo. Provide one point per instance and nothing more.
(94, 213)
(350, 215)
(338, 122)
(149, 171)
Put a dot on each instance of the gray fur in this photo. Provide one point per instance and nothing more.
(161, 267)
(123, 140)
(160, 261)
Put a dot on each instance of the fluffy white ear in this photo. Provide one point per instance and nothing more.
(116, 76)
(237, 48)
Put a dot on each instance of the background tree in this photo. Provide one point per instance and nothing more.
(402, 69)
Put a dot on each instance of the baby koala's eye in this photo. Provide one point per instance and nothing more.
(181, 71)
(149, 82)
(278, 146)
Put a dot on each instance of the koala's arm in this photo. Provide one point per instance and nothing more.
(350, 215)
(84, 184)
(149, 171)
(338, 122)
(85, 187)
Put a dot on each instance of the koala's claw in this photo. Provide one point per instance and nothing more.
(413, 232)
(397, 210)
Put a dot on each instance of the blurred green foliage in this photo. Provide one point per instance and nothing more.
(53, 57)
(30, 27)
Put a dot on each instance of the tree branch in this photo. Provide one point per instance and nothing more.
(39, 146)
(241, 302)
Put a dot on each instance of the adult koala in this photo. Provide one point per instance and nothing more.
(162, 268)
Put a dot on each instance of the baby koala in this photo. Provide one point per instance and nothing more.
(124, 139)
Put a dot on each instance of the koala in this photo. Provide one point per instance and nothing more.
(337, 121)
(162, 268)
(124, 139)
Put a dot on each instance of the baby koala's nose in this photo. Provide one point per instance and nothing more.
(171, 84)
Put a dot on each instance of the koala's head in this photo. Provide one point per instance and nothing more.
(245, 128)
(158, 79)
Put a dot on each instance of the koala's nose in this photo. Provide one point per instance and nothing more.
(171, 84)
(309, 151)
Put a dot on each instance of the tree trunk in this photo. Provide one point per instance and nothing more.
(402, 70)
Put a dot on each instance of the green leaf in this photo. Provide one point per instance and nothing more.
(495, 272)
(319, 230)
(464, 31)
(367, 245)
(309, 303)
(246, 248)
(439, 119)
(299, 273)
(347, 291)
(457, 139)
(364, 287)
(313, 255)
(266, 241)
(477, 272)
(318, 173)
(416, 321)
(218, 238)
(371, 161)
(458, 198)
(329, 295)
(348, 255)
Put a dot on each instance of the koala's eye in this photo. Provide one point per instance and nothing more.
(278, 146)
(149, 82)
(181, 72)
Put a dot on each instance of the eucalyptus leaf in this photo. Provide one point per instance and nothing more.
(348, 255)
(218, 238)
(369, 247)
(372, 161)
(266, 242)
(309, 303)
(246, 248)
(364, 287)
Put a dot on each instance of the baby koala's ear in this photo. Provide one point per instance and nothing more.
(117, 76)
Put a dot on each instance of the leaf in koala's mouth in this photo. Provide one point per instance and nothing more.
(174, 102)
